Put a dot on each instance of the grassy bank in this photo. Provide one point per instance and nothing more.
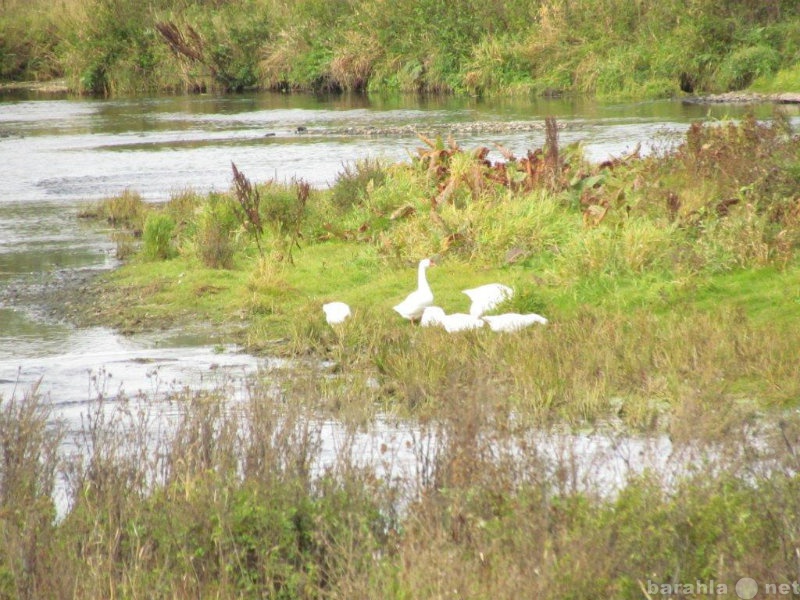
(606, 48)
(670, 281)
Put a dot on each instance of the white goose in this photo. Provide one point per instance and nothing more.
(487, 297)
(435, 316)
(416, 302)
(513, 321)
(336, 312)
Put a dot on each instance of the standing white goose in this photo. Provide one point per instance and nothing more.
(435, 316)
(336, 312)
(513, 321)
(487, 297)
(412, 307)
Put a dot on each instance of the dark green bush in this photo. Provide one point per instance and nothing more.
(354, 180)
(215, 235)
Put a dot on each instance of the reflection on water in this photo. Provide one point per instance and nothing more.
(64, 364)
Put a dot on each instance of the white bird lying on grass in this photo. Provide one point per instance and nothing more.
(513, 321)
(336, 312)
(418, 300)
(487, 297)
(435, 316)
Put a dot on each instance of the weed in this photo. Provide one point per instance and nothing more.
(249, 211)
(215, 240)
(354, 183)
(247, 497)
(128, 211)
(29, 469)
(157, 242)
(285, 209)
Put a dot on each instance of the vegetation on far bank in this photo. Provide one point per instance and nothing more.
(605, 48)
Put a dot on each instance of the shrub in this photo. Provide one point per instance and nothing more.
(215, 239)
(285, 210)
(354, 182)
(741, 67)
(157, 237)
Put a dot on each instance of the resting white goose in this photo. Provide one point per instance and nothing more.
(487, 297)
(513, 321)
(419, 299)
(336, 312)
(432, 317)
(435, 316)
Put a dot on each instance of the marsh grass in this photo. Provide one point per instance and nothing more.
(678, 292)
(215, 239)
(157, 237)
(128, 210)
(238, 497)
(638, 368)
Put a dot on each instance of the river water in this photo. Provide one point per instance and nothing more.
(56, 154)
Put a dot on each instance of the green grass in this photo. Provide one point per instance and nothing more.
(603, 48)
(763, 296)
(657, 297)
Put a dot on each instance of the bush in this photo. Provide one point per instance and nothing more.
(741, 67)
(157, 237)
(354, 182)
(215, 239)
(284, 210)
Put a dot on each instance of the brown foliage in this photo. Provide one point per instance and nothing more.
(248, 208)
(189, 46)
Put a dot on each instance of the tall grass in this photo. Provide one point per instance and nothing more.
(157, 237)
(606, 48)
(237, 498)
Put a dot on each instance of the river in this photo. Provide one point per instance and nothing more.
(56, 154)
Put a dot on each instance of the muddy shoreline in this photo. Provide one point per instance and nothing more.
(59, 86)
(63, 296)
(745, 98)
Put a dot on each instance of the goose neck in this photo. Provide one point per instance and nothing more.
(422, 281)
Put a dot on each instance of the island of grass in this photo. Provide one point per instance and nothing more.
(671, 281)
